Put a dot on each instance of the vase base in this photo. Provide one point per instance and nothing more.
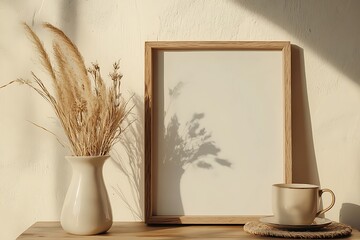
(86, 230)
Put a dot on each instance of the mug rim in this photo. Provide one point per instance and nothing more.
(295, 185)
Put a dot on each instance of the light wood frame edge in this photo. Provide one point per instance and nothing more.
(284, 46)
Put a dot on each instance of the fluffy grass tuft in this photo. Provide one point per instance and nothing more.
(90, 113)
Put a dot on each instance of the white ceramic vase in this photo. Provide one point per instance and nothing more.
(86, 209)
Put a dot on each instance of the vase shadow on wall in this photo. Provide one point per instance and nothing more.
(350, 215)
(131, 165)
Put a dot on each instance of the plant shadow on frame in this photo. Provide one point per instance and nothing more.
(192, 145)
(182, 145)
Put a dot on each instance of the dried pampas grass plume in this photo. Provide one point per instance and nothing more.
(90, 114)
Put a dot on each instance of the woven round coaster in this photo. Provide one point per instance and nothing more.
(334, 230)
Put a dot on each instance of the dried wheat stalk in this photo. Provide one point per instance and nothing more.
(90, 113)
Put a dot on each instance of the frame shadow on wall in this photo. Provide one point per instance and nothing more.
(303, 153)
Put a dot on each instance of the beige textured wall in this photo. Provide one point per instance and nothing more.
(326, 93)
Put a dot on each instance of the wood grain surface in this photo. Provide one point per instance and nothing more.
(130, 231)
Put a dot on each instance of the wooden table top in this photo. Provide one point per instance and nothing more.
(134, 231)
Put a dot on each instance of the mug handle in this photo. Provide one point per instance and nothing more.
(321, 191)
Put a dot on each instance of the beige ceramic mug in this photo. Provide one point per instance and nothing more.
(297, 204)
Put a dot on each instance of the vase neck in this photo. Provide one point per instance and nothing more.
(87, 163)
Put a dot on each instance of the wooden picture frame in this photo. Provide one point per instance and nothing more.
(239, 95)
